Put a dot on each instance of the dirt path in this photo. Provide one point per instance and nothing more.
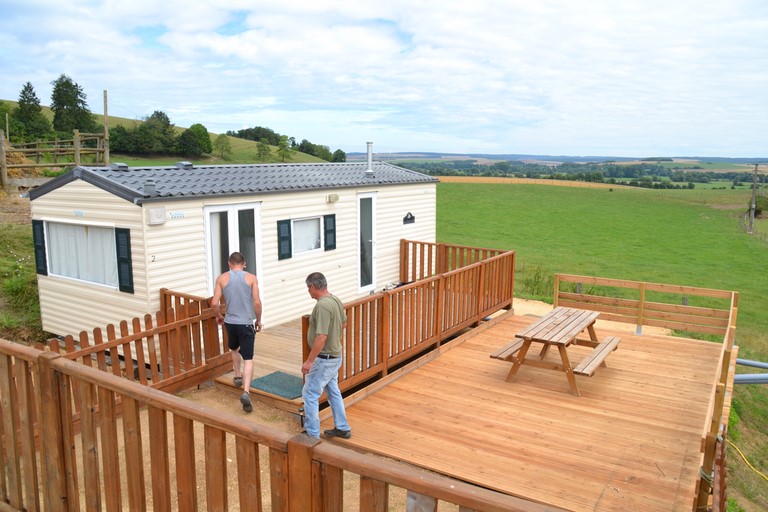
(14, 209)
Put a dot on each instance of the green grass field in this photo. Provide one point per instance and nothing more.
(677, 237)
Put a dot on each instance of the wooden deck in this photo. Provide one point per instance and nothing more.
(632, 441)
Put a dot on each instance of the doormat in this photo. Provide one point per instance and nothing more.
(280, 384)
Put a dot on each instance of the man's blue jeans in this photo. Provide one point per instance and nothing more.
(324, 376)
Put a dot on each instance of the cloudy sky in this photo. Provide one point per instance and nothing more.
(555, 77)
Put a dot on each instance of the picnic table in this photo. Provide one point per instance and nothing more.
(560, 327)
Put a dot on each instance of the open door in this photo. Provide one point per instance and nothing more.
(367, 236)
(232, 228)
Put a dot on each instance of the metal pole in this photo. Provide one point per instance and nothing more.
(752, 208)
(106, 132)
(751, 378)
(754, 364)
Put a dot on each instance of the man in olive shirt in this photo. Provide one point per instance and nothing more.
(322, 365)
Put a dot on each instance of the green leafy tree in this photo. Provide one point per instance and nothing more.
(339, 156)
(189, 144)
(15, 128)
(122, 139)
(284, 150)
(323, 152)
(263, 150)
(156, 135)
(30, 114)
(203, 137)
(70, 109)
(222, 146)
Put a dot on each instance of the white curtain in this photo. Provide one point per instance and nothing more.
(306, 235)
(82, 252)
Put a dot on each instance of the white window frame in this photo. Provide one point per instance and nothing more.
(295, 235)
(53, 250)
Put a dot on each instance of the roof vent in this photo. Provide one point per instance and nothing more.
(150, 189)
(118, 166)
(184, 165)
(369, 171)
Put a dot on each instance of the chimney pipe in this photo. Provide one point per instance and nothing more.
(370, 157)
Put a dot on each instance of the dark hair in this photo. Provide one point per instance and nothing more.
(317, 280)
(236, 258)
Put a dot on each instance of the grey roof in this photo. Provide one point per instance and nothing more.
(178, 182)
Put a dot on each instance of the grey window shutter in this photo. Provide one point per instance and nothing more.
(38, 237)
(329, 226)
(124, 263)
(283, 239)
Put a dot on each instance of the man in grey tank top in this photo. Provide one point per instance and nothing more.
(240, 290)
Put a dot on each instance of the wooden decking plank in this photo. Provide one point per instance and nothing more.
(631, 441)
(532, 478)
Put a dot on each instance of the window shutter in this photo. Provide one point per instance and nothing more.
(124, 264)
(38, 237)
(329, 226)
(283, 239)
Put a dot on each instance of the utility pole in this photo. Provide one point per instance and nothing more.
(105, 140)
(752, 208)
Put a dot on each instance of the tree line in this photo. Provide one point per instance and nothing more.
(646, 174)
(156, 135)
(27, 122)
(266, 135)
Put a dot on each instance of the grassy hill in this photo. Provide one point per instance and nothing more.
(243, 151)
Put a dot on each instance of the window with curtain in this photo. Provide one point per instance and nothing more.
(306, 235)
(82, 252)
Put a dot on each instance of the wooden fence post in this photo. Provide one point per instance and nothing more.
(3, 163)
(641, 311)
(53, 435)
(300, 486)
(76, 144)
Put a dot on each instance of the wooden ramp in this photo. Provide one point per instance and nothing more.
(276, 349)
(632, 441)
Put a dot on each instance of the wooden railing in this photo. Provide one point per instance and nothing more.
(420, 260)
(141, 449)
(181, 348)
(681, 308)
(390, 327)
(685, 309)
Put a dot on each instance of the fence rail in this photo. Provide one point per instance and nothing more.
(140, 449)
(393, 326)
(420, 260)
(72, 150)
(179, 349)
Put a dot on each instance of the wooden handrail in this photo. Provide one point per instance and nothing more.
(390, 327)
(176, 428)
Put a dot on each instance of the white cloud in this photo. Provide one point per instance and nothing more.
(557, 77)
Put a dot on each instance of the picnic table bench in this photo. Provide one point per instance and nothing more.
(561, 328)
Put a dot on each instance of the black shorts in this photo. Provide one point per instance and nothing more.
(241, 337)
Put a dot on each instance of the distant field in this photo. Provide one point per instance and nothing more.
(526, 181)
(694, 165)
